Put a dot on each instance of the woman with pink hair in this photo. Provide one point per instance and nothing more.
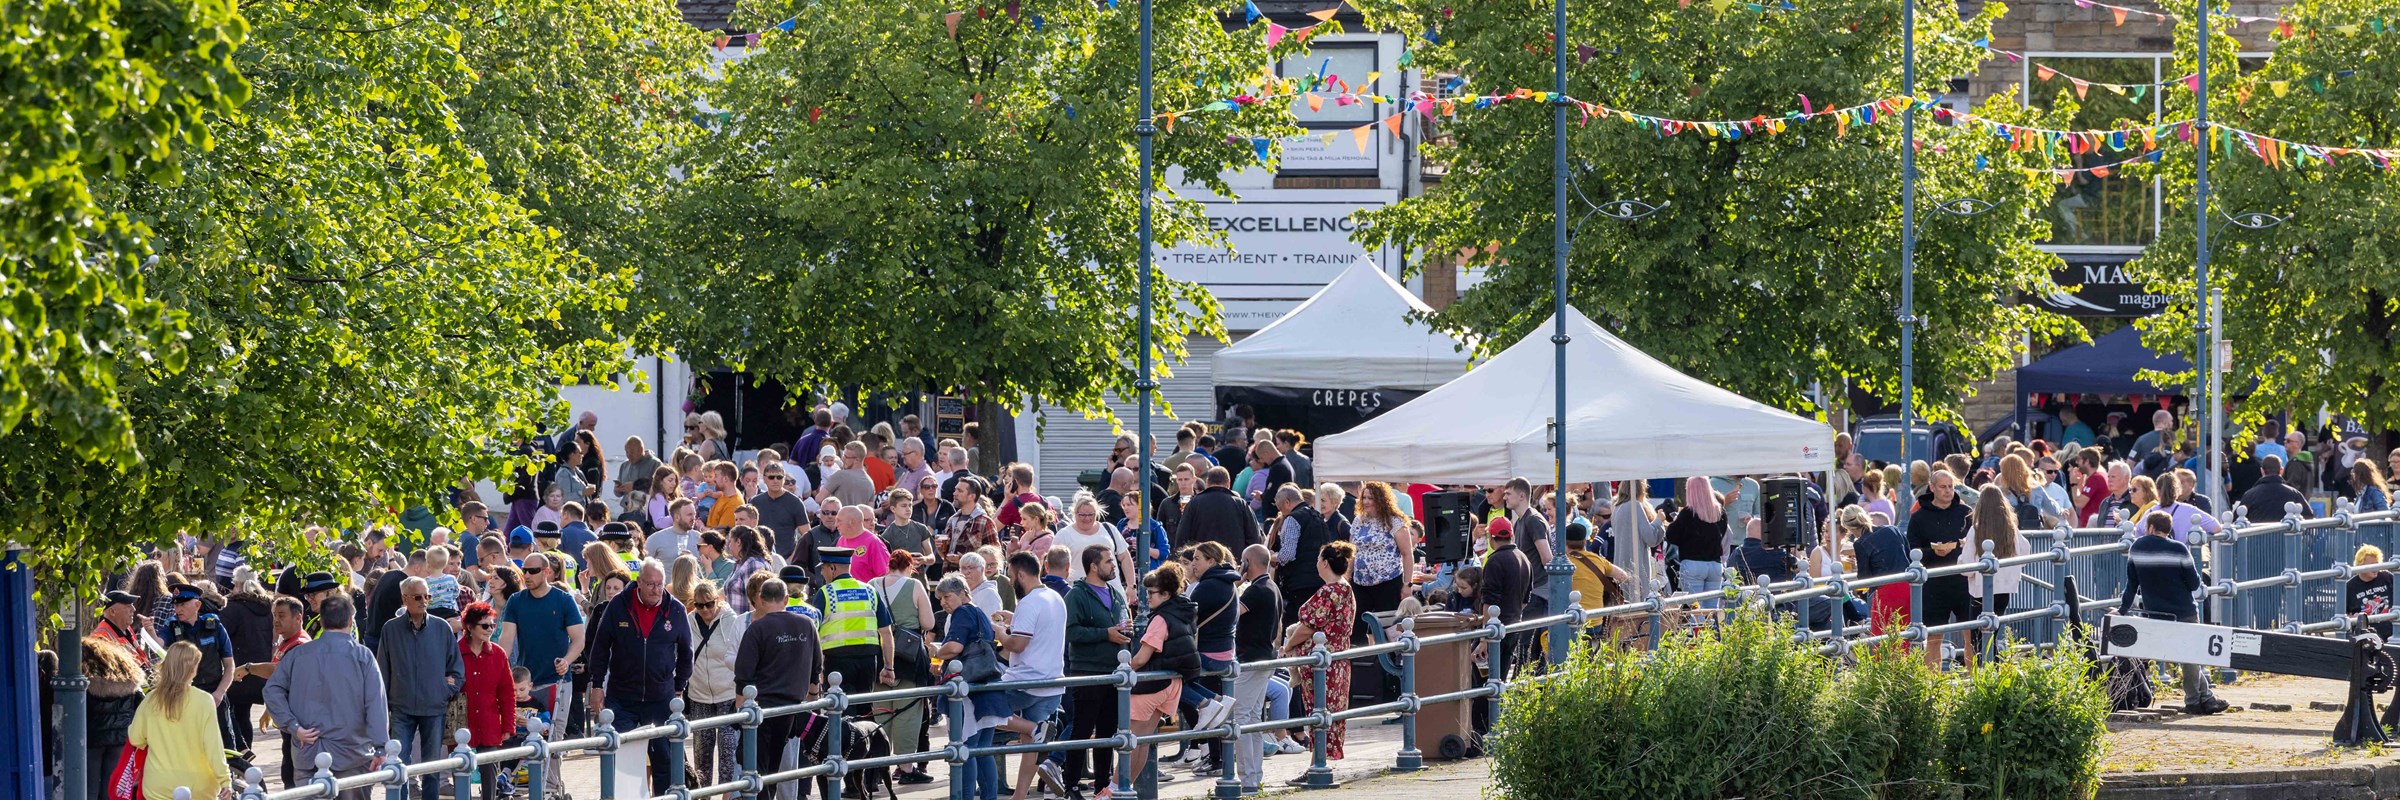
(1698, 536)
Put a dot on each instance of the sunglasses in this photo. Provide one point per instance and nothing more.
(415, 597)
(705, 605)
(486, 626)
(775, 479)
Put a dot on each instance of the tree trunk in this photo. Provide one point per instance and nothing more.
(992, 415)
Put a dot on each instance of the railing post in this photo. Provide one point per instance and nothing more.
(2059, 552)
(396, 771)
(254, 784)
(1991, 576)
(2292, 561)
(962, 756)
(1320, 776)
(1800, 606)
(678, 743)
(537, 772)
(1410, 759)
(1838, 592)
(1229, 785)
(322, 781)
(1915, 631)
(753, 717)
(837, 734)
(1658, 623)
(1125, 743)
(609, 741)
(465, 776)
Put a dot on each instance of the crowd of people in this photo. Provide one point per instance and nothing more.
(882, 560)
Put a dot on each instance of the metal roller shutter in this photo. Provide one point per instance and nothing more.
(1072, 444)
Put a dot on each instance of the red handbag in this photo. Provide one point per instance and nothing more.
(126, 782)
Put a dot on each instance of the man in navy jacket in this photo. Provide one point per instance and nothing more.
(641, 653)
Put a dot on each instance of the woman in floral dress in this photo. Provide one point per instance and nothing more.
(1332, 611)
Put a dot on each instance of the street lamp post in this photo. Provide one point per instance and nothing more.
(1558, 570)
(1908, 241)
(1145, 132)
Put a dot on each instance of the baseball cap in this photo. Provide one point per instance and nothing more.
(520, 536)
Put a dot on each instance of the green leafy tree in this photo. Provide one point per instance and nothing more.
(580, 109)
(890, 207)
(370, 318)
(2312, 306)
(94, 91)
(1775, 263)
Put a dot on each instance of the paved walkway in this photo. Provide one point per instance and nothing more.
(1373, 748)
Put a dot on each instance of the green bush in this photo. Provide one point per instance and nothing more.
(1745, 712)
(2028, 726)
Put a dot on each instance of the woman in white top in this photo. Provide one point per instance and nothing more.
(1085, 530)
(1995, 523)
(981, 589)
(716, 637)
(1637, 531)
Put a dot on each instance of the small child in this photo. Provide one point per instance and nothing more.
(2369, 591)
(528, 711)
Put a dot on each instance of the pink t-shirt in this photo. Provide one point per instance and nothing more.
(873, 559)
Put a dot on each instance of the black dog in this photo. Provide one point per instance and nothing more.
(861, 740)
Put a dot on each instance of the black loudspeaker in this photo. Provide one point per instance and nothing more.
(1785, 511)
(1449, 526)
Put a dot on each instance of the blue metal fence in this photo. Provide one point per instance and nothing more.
(2255, 566)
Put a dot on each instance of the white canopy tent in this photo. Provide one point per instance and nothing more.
(1629, 417)
(1353, 334)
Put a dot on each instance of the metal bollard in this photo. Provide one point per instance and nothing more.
(1320, 776)
(537, 772)
(608, 754)
(753, 717)
(1410, 759)
(678, 744)
(465, 776)
(837, 734)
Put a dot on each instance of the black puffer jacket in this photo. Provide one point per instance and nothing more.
(250, 621)
(1181, 652)
(115, 693)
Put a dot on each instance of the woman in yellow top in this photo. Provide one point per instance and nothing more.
(177, 724)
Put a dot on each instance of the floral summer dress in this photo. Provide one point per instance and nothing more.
(1333, 611)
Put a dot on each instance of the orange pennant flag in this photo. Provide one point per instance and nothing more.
(2120, 13)
(951, 19)
(1315, 103)
(1170, 120)
(1361, 133)
(1392, 123)
(1325, 15)
(2047, 73)
(2083, 88)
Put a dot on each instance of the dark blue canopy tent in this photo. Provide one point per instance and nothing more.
(2107, 365)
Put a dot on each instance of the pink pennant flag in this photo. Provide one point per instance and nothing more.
(2192, 81)
(1275, 34)
(951, 19)
(1805, 108)
(2083, 88)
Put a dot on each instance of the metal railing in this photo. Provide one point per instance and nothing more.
(2264, 555)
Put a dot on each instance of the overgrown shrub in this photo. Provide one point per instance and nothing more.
(2028, 726)
(1743, 711)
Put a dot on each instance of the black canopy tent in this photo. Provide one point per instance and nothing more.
(2108, 365)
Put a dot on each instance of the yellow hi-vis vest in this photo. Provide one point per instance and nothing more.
(849, 614)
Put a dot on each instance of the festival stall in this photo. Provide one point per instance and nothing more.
(1629, 417)
(2096, 379)
(1347, 354)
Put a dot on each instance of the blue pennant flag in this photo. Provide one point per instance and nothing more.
(1432, 36)
(1037, 22)
(1248, 8)
(1982, 163)
(1262, 147)
(789, 25)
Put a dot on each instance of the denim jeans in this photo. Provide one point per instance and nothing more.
(981, 774)
(420, 739)
(1704, 576)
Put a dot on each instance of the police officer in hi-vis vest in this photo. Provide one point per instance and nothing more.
(205, 631)
(856, 630)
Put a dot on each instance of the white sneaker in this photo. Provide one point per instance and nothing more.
(1216, 712)
(1293, 747)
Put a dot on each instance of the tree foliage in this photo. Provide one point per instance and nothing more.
(886, 206)
(371, 316)
(1775, 263)
(2312, 306)
(94, 91)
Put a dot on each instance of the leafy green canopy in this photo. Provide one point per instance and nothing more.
(94, 91)
(887, 206)
(371, 316)
(1775, 263)
(2312, 306)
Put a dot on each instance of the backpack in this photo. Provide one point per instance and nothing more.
(2029, 516)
